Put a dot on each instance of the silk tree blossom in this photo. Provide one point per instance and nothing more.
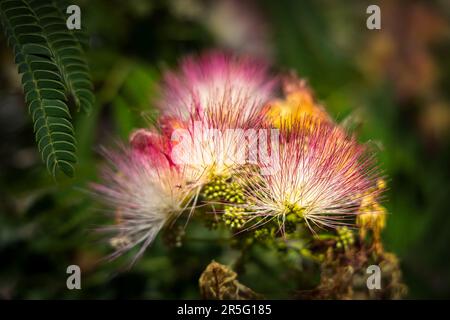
(225, 141)
(218, 83)
(213, 145)
(148, 186)
(144, 189)
(211, 110)
(207, 151)
(322, 178)
(298, 102)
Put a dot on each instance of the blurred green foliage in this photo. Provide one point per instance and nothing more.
(46, 225)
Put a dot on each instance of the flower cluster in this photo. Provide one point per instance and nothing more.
(260, 163)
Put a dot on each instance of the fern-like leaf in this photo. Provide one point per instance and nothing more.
(51, 61)
(67, 51)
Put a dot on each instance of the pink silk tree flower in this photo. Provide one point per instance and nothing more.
(151, 144)
(321, 178)
(214, 144)
(144, 189)
(214, 81)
